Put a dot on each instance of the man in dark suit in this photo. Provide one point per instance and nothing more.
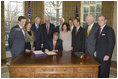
(78, 37)
(36, 28)
(48, 29)
(91, 32)
(70, 22)
(58, 28)
(104, 47)
(54, 44)
(17, 38)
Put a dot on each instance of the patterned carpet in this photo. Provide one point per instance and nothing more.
(5, 70)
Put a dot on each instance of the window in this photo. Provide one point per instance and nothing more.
(12, 10)
(54, 10)
(90, 7)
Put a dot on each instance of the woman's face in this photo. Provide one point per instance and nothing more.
(64, 28)
(28, 27)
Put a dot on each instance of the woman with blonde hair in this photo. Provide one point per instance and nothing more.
(29, 38)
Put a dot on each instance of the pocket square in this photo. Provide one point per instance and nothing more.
(103, 34)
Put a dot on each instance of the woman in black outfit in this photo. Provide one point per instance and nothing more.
(29, 38)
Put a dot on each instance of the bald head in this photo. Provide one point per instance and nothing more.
(47, 19)
(90, 19)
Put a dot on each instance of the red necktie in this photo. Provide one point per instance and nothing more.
(47, 29)
(99, 34)
(76, 32)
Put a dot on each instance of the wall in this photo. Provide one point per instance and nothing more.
(69, 9)
(3, 51)
(109, 9)
(37, 9)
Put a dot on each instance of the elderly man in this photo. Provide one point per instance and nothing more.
(48, 29)
(104, 47)
(91, 31)
(36, 28)
(17, 38)
(58, 28)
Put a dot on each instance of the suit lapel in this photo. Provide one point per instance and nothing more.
(21, 31)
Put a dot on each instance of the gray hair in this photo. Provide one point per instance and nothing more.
(37, 18)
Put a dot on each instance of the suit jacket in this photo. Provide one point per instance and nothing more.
(58, 46)
(16, 41)
(51, 31)
(78, 42)
(105, 43)
(91, 39)
(38, 35)
(57, 29)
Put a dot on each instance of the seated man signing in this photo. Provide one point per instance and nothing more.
(54, 44)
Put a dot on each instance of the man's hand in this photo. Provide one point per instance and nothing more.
(95, 53)
(46, 50)
(27, 50)
(55, 50)
(41, 46)
(33, 48)
(106, 57)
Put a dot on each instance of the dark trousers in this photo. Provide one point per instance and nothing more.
(104, 69)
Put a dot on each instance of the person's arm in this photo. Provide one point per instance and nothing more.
(11, 37)
(111, 44)
(84, 38)
(42, 37)
(61, 46)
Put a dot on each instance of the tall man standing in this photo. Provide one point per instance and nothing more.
(104, 47)
(17, 38)
(36, 28)
(78, 37)
(48, 29)
(91, 32)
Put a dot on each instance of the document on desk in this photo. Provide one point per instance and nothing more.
(50, 53)
(38, 52)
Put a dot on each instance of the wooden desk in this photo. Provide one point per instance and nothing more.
(64, 65)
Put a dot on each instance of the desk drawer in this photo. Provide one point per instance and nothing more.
(53, 69)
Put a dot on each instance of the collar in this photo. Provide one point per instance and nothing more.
(36, 25)
(91, 25)
(20, 26)
(78, 28)
(103, 26)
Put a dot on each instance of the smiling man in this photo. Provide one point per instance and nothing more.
(104, 47)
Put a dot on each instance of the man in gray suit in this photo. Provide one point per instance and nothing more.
(17, 38)
(91, 33)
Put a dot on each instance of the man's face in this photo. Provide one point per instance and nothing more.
(89, 20)
(70, 22)
(47, 20)
(22, 22)
(102, 21)
(76, 23)
(37, 21)
(55, 37)
(61, 21)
